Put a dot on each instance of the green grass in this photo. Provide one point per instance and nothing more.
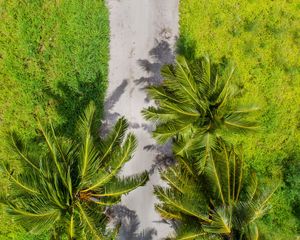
(262, 39)
(53, 62)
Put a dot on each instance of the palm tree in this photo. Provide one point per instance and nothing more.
(67, 185)
(194, 106)
(222, 203)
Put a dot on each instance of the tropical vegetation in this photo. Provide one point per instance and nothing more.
(194, 107)
(59, 179)
(262, 39)
(224, 202)
(53, 62)
(66, 184)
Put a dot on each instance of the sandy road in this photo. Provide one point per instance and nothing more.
(143, 33)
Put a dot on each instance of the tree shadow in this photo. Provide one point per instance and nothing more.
(164, 157)
(291, 176)
(111, 117)
(160, 55)
(186, 47)
(70, 103)
(129, 222)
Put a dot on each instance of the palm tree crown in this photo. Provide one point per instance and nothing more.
(194, 106)
(222, 203)
(67, 186)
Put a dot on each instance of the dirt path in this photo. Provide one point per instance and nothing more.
(143, 33)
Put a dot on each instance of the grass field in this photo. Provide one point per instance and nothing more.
(262, 39)
(53, 61)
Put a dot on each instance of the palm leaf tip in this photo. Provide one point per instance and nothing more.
(85, 121)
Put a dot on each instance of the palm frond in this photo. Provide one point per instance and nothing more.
(245, 109)
(262, 202)
(158, 114)
(213, 173)
(173, 179)
(236, 122)
(24, 182)
(167, 213)
(88, 152)
(17, 146)
(205, 76)
(120, 186)
(36, 222)
(223, 89)
(251, 188)
(220, 221)
(183, 146)
(89, 157)
(209, 144)
(186, 206)
(160, 93)
(114, 139)
(186, 80)
(164, 132)
(88, 223)
(53, 152)
(236, 169)
(183, 110)
(116, 163)
(192, 231)
(186, 165)
(71, 227)
(251, 232)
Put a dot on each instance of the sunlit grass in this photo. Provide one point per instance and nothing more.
(262, 39)
(53, 61)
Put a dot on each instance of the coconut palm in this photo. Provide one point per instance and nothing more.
(222, 203)
(195, 107)
(66, 186)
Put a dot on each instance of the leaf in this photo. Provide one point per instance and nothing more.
(251, 232)
(158, 114)
(114, 138)
(53, 152)
(161, 93)
(36, 223)
(235, 122)
(116, 163)
(167, 213)
(71, 229)
(176, 203)
(119, 186)
(18, 147)
(23, 182)
(89, 224)
(213, 173)
(164, 132)
(220, 221)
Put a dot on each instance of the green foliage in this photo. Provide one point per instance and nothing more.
(262, 40)
(223, 203)
(194, 108)
(66, 186)
(14, 231)
(53, 61)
